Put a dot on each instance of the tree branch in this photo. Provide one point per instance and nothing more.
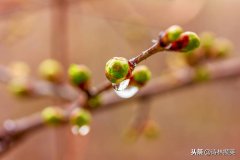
(13, 131)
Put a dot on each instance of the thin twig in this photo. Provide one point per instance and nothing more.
(145, 54)
(170, 82)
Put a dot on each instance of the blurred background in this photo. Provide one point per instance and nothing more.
(91, 32)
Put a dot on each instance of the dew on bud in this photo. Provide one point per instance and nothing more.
(83, 130)
(117, 70)
(121, 86)
(129, 92)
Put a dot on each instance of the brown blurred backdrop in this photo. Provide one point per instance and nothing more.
(202, 116)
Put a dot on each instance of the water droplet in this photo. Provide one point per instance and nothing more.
(83, 131)
(128, 92)
(75, 130)
(121, 86)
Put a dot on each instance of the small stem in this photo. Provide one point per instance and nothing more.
(103, 87)
(218, 70)
(145, 54)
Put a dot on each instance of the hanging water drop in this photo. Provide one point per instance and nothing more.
(128, 92)
(121, 86)
(74, 130)
(83, 130)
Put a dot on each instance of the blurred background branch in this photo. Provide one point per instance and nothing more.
(14, 130)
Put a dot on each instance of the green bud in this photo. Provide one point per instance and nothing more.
(19, 86)
(207, 40)
(117, 69)
(80, 117)
(52, 115)
(79, 74)
(131, 135)
(223, 47)
(141, 75)
(174, 32)
(193, 41)
(51, 70)
(201, 74)
(151, 130)
(95, 101)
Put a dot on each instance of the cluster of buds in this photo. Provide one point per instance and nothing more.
(174, 38)
(211, 48)
(54, 115)
(118, 69)
(52, 71)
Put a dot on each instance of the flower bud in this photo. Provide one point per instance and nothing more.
(223, 47)
(141, 75)
(188, 41)
(51, 70)
(170, 35)
(207, 40)
(117, 69)
(151, 130)
(52, 115)
(174, 32)
(79, 75)
(95, 101)
(19, 86)
(80, 117)
(193, 41)
(201, 74)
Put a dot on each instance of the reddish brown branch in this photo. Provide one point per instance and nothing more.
(103, 87)
(145, 54)
(13, 131)
(179, 79)
(42, 88)
(169, 82)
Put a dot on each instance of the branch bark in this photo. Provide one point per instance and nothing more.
(18, 129)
